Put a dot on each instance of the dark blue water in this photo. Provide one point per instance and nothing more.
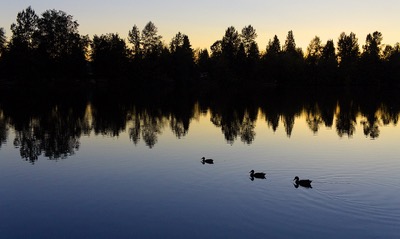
(112, 187)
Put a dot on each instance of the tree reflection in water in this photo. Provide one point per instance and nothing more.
(3, 128)
(51, 126)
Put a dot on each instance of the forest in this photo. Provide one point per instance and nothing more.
(48, 50)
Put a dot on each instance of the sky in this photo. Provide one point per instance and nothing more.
(206, 21)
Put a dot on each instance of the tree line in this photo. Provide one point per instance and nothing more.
(48, 49)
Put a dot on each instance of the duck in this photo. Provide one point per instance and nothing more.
(208, 161)
(257, 175)
(303, 182)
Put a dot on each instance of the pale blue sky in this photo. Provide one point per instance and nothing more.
(206, 21)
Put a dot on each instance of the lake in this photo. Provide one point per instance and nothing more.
(105, 165)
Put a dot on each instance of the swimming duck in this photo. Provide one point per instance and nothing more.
(209, 161)
(304, 182)
(257, 175)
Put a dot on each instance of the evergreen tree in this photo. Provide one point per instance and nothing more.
(290, 44)
(182, 57)
(2, 40)
(253, 53)
(273, 47)
(135, 39)
(292, 62)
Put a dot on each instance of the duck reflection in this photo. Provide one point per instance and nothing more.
(306, 183)
(207, 161)
(259, 175)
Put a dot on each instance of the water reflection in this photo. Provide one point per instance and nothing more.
(3, 128)
(50, 125)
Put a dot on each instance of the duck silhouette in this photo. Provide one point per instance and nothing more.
(259, 175)
(303, 182)
(207, 161)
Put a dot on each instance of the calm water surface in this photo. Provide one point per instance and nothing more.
(149, 182)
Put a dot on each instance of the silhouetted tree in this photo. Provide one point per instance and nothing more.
(25, 27)
(328, 62)
(372, 47)
(20, 60)
(219, 66)
(371, 59)
(61, 50)
(216, 49)
(328, 51)
(135, 39)
(2, 41)
(182, 57)
(348, 53)
(386, 52)
(248, 54)
(240, 63)
(273, 64)
(248, 37)
(176, 42)
(312, 60)
(2, 51)
(57, 34)
(224, 56)
(292, 62)
(154, 63)
(254, 53)
(109, 56)
(391, 58)
(274, 47)
(230, 45)
(314, 51)
(151, 41)
(203, 62)
(348, 49)
(290, 44)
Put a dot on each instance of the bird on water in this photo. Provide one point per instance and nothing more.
(303, 182)
(208, 161)
(253, 175)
